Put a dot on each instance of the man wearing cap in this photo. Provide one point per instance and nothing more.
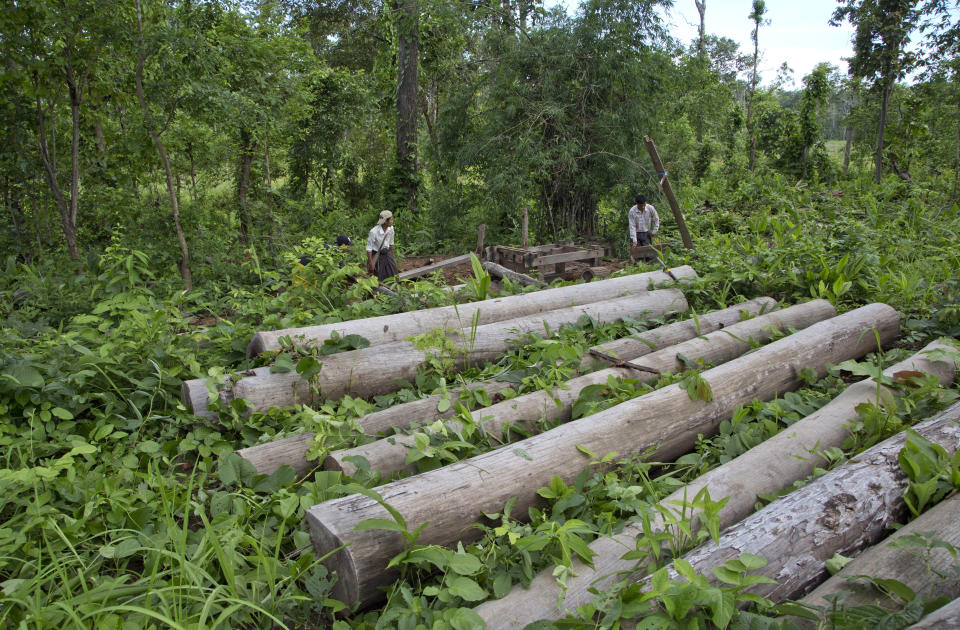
(380, 258)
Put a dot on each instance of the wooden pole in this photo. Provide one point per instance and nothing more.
(292, 451)
(664, 424)
(664, 180)
(523, 227)
(399, 326)
(378, 369)
(480, 231)
(555, 405)
(789, 456)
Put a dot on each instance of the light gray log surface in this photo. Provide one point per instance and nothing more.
(944, 618)
(389, 454)
(293, 450)
(884, 561)
(769, 467)
(377, 369)
(843, 511)
(399, 326)
(422, 271)
(640, 344)
(665, 421)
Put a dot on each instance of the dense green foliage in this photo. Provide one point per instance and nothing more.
(120, 509)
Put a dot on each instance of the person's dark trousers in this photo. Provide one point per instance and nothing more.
(643, 238)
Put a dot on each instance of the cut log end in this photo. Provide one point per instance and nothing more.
(194, 393)
(256, 347)
(346, 588)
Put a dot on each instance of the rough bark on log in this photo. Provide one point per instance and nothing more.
(767, 468)
(377, 370)
(555, 405)
(591, 273)
(667, 422)
(501, 272)
(944, 618)
(639, 344)
(292, 450)
(399, 326)
(886, 562)
(842, 511)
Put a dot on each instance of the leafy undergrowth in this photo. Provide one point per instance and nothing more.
(120, 509)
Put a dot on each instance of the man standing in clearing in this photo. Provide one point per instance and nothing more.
(643, 222)
(380, 258)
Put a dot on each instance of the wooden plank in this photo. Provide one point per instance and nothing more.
(422, 271)
(580, 255)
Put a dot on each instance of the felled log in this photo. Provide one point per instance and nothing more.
(292, 450)
(389, 454)
(639, 344)
(499, 271)
(842, 511)
(667, 422)
(591, 273)
(399, 326)
(765, 469)
(886, 562)
(376, 370)
(946, 617)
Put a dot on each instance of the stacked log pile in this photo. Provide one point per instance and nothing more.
(667, 421)
(767, 468)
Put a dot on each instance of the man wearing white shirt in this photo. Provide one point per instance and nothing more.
(643, 222)
(380, 258)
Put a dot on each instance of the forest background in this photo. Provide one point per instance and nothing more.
(165, 165)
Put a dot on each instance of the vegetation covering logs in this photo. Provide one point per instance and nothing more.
(150, 147)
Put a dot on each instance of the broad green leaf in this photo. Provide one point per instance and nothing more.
(466, 588)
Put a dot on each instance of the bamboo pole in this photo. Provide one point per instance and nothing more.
(789, 456)
(292, 451)
(378, 369)
(668, 192)
(667, 422)
(399, 326)
(555, 405)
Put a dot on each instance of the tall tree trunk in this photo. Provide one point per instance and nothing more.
(956, 159)
(75, 99)
(243, 185)
(884, 101)
(701, 31)
(266, 167)
(848, 133)
(193, 174)
(753, 89)
(407, 59)
(12, 202)
(48, 158)
(158, 142)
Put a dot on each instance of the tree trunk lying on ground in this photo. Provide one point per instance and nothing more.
(909, 567)
(292, 450)
(944, 618)
(555, 405)
(640, 344)
(399, 326)
(447, 501)
(499, 271)
(767, 468)
(377, 370)
(842, 511)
